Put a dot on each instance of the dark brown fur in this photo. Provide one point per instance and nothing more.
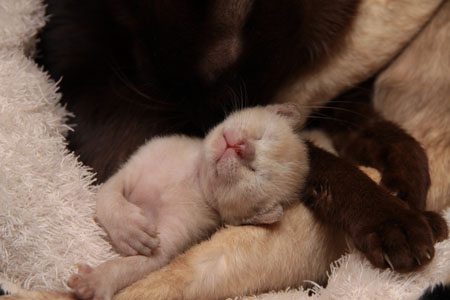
(135, 69)
(362, 136)
(378, 223)
(339, 196)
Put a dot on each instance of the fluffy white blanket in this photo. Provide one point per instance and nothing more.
(46, 195)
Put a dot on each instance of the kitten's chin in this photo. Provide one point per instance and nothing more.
(227, 166)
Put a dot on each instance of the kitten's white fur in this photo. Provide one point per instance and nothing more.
(175, 191)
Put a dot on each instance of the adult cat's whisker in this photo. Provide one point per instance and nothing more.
(348, 102)
(337, 109)
(141, 104)
(332, 119)
(132, 87)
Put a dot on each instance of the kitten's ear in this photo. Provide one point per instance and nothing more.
(289, 111)
(269, 217)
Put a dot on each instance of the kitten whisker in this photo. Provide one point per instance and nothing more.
(244, 94)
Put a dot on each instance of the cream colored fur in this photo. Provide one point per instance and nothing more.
(245, 260)
(381, 29)
(415, 92)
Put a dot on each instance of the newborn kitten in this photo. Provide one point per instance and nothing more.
(176, 190)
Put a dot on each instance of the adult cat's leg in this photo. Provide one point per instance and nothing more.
(362, 136)
(382, 226)
(245, 260)
(414, 92)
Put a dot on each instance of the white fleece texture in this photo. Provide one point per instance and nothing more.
(46, 195)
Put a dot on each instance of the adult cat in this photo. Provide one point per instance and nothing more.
(139, 68)
(413, 91)
(334, 81)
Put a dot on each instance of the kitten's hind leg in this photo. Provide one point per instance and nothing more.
(102, 282)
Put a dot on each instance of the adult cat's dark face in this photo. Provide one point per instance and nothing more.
(133, 69)
(204, 53)
(193, 45)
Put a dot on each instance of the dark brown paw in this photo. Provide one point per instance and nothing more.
(438, 225)
(412, 192)
(404, 241)
(405, 173)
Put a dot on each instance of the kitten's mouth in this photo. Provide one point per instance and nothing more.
(232, 151)
(240, 148)
(226, 150)
(228, 155)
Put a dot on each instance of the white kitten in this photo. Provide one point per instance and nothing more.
(176, 191)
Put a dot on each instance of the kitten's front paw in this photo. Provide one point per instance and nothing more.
(131, 232)
(403, 241)
(87, 284)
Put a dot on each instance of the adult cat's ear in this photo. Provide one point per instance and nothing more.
(271, 216)
(289, 111)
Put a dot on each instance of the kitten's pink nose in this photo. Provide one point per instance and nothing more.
(242, 147)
